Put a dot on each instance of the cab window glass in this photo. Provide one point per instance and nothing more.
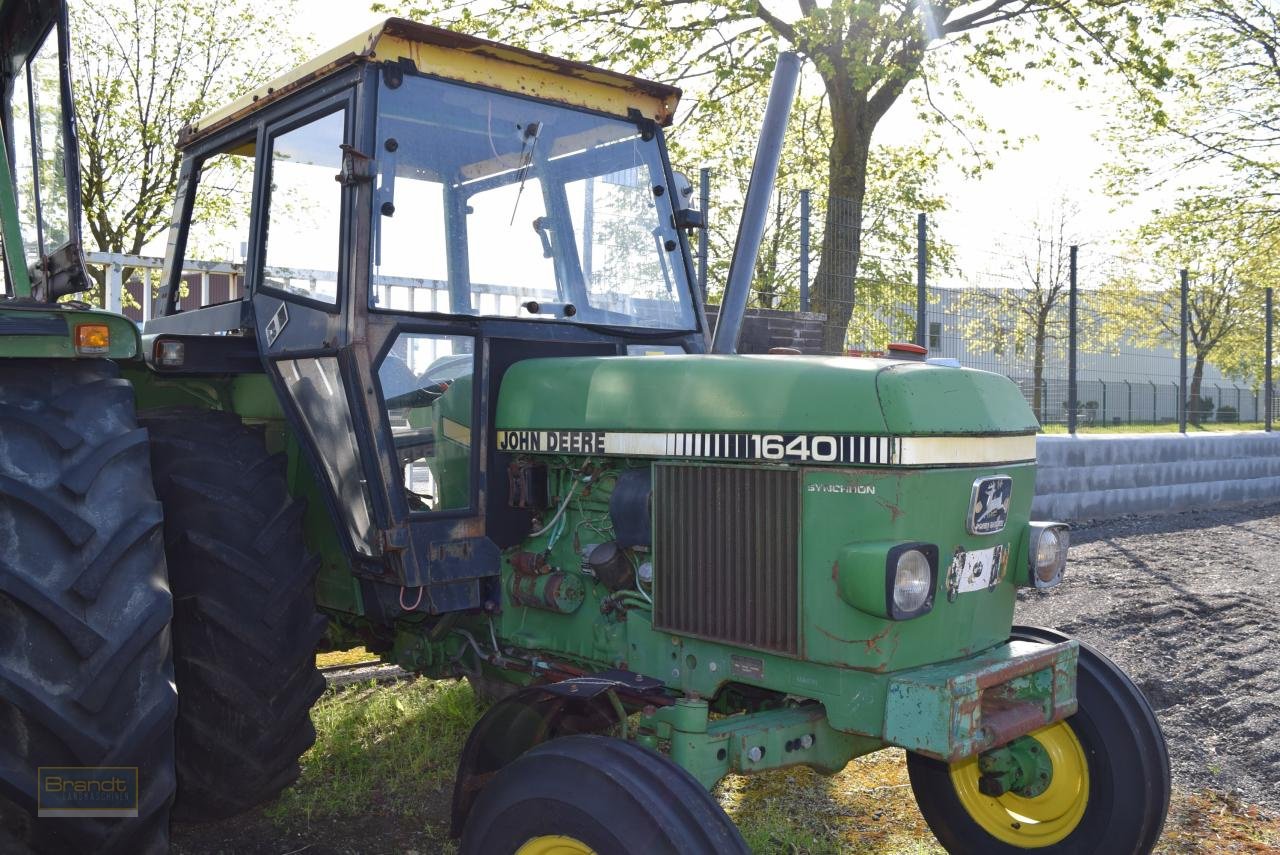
(305, 213)
(427, 387)
(38, 151)
(24, 173)
(218, 237)
(50, 152)
(525, 267)
(410, 263)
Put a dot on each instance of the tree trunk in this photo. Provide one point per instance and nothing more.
(1195, 414)
(1037, 372)
(833, 291)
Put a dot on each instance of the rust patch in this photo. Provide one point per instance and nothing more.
(872, 643)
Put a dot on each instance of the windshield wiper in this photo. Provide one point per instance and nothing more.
(531, 132)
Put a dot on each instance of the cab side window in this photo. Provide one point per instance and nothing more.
(305, 210)
(213, 268)
(427, 388)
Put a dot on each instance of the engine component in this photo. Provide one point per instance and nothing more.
(527, 486)
(556, 591)
(631, 508)
(609, 563)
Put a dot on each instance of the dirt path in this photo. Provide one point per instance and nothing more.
(1189, 605)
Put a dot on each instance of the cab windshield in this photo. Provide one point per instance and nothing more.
(491, 204)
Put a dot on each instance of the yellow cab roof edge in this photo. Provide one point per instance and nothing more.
(363, 48)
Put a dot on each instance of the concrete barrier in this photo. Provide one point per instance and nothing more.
(1107, 475)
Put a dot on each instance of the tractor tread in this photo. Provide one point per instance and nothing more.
(82, 581)
(245, 624)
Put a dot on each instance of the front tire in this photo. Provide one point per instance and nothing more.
(578, 795)
(86, 677)
(1111, 784)
(245, 627)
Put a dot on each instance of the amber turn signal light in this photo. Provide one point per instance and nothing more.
(93, 338)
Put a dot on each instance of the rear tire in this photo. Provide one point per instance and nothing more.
(245, 625)
(86, 677)
(1124, 754)
(597, 794)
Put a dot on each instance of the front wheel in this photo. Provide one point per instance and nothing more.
(595, 795)
(1108, 790)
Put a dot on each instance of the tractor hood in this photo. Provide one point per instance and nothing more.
(760, 394)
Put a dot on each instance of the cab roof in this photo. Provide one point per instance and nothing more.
(464, 58)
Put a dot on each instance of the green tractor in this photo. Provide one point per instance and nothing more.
(468, 413)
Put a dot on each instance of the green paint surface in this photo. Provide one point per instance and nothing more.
(125, 341)
(776, 394)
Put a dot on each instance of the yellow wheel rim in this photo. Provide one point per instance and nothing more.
(554, 844)
(1046, 819)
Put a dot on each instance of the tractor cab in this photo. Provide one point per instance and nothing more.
(413, 213)
(40, 169)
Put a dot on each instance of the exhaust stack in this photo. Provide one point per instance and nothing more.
(755, 210)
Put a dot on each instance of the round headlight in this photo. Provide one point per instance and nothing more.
(1051, 548)
(911, 581)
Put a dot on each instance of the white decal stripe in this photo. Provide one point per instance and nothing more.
(952, 450)
(638, 444)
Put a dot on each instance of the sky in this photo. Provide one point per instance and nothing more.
(990, 217)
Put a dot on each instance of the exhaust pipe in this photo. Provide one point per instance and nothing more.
(755, 210)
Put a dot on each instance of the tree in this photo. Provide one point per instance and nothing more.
(1031, 312)
(143, 69)
(864, 54)
(1228, 264)
(1215, 120)
(899, 185)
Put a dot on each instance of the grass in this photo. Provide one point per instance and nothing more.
(389, 750)
(343, 657)
(1208, 427)
(384, 761)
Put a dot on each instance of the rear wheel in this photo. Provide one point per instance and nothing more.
(245, 626)
(85, 671)
(579, 795)
(1107, 791)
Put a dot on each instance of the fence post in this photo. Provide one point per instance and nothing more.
(704, 202)
(922, 295)
(1103, 412)
(146, 294)
(1182, 355)
(804, 250)
(115, 289)
(204, 288)
(1129, 387)
(1155, 403)
(1072, 309)
(1267, 368)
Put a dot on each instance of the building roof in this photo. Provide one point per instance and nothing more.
(468, 59)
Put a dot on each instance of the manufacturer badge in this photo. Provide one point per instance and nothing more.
(989, 504)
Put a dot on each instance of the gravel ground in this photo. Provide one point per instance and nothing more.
(1189, 606)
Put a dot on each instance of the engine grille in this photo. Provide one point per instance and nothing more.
(726, 554)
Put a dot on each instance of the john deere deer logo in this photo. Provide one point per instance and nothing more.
(989, 505)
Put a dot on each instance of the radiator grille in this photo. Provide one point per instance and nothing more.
(726, 554)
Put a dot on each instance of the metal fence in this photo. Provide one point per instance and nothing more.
(1086, 352)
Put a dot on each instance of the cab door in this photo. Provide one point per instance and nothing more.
(396, 460)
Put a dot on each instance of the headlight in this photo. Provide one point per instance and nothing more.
(911, 579)
(1047, 556)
